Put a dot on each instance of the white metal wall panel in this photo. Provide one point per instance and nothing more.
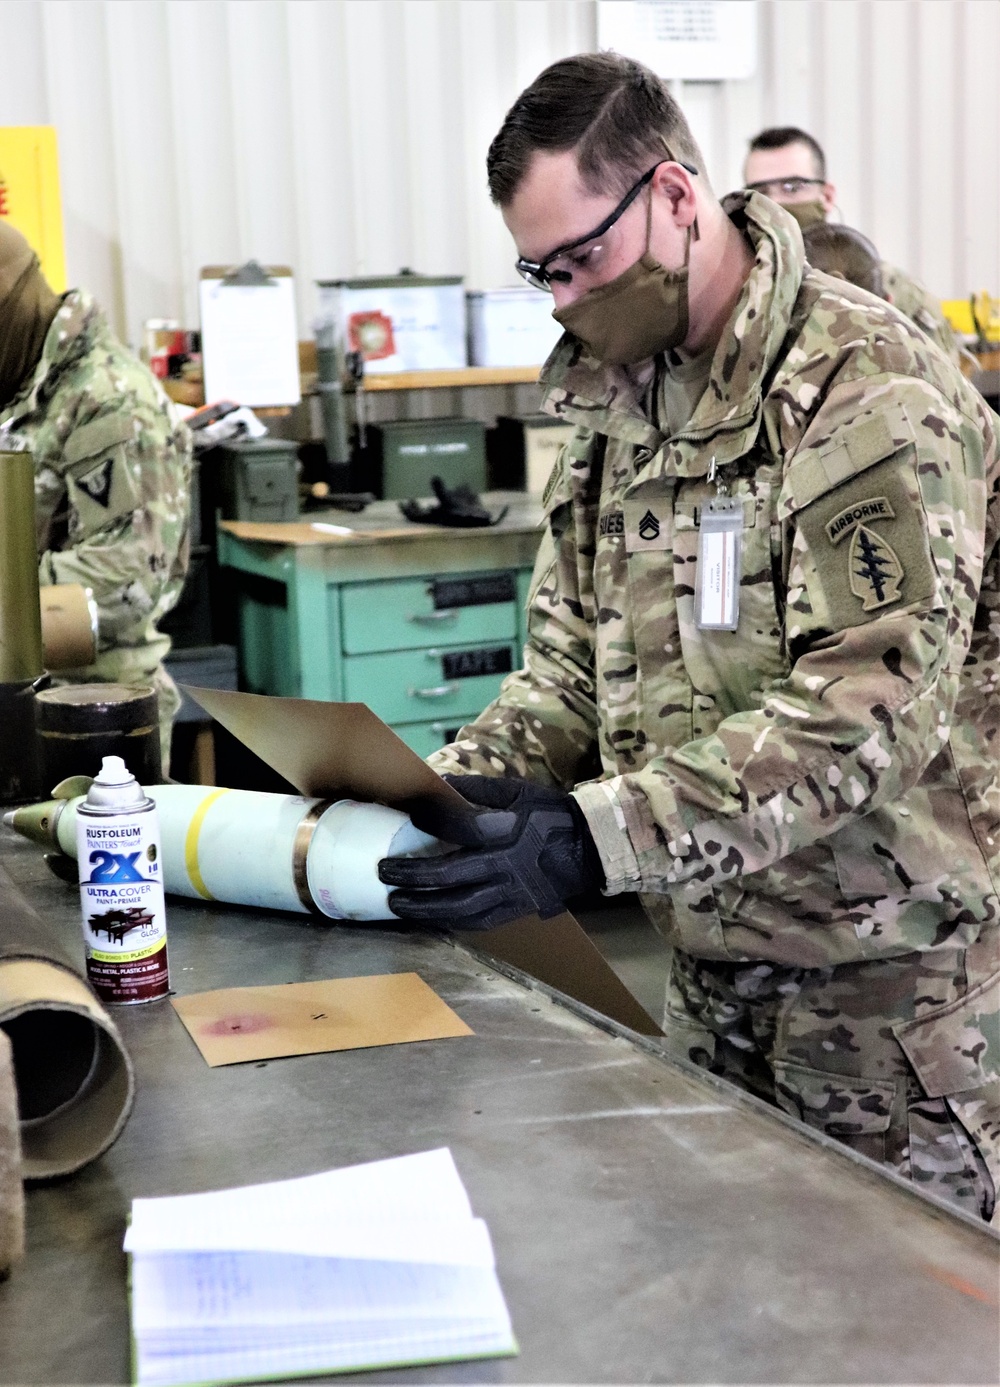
(349, 137)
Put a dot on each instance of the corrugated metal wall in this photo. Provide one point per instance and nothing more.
(348, 136)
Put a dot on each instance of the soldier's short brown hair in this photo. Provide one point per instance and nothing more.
(778, 136)
(613, 111)
(840, 250)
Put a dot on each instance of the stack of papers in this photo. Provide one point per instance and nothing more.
(375, 1265)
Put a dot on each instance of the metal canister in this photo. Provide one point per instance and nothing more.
(20, 628)
(80, 724)
(121, 888)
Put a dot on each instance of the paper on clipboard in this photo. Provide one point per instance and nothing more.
(249, 337)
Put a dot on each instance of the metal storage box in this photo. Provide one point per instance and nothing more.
(402, 322)
(511, 327)
(407, 454)
(257, 479)
(523, 451)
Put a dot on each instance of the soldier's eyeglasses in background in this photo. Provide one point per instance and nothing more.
(779, 189)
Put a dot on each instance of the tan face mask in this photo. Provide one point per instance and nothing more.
(642, 312)
(806, 213)
(27, 307)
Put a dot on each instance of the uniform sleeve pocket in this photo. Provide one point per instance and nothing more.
(955, 1053)
(99, 436)
(841, 1105)
(957, 1047)
(858, 504)
(100, 479)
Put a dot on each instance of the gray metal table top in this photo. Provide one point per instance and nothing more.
(650, 1225)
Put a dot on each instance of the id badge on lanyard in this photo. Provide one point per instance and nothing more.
(720, 546)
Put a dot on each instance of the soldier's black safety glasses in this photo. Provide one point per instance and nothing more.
(540, 276)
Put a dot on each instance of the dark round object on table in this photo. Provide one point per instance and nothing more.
(80, 724)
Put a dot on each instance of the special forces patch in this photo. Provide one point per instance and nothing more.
(869, 546)
(875, 570)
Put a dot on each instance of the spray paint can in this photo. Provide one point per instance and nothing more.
(121, 888)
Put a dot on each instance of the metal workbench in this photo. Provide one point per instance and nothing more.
(650, 1224)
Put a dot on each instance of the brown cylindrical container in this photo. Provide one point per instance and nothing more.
(69, 626)
(80, 724)
(20, 629)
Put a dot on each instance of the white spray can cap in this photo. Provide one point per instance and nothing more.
(115, 787)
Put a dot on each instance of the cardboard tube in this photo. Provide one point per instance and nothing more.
(74, 1079)
(11, 1189)
(69, 626)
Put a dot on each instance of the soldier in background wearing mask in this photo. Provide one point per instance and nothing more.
(112, 469)
(761, 675)
(789, 166)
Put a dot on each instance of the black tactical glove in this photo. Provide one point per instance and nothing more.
(456, 505)
(523, 850)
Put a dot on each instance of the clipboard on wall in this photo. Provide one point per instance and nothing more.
(249, 335)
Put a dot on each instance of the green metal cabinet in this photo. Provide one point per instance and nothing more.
(421, 626)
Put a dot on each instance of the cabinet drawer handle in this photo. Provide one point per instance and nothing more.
(433, 618)
(438, 691)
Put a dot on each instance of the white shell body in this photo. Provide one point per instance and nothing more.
(238, 846)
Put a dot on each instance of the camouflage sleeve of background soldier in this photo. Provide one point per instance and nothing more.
(126, 466)
(879, 620)
(543, 724)
(920, 306)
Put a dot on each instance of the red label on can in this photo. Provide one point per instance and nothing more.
(137, 980)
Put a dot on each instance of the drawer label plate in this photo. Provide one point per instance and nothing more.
(479, 590)
(469, 664)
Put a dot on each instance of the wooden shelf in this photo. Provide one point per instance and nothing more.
(441, 380)
(192, 393)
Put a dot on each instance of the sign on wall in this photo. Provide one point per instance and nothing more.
(687, 40)
(29, 194)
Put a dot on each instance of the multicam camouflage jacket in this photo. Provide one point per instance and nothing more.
(914, 302)
(112, 489)
(819, 786)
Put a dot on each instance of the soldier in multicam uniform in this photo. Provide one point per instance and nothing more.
(797, 769)
(112, 469)
(789, 166)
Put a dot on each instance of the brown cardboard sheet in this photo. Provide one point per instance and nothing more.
(328, 749)
(560, 953)
(237, 1024)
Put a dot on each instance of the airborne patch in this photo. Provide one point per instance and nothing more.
(877, 508)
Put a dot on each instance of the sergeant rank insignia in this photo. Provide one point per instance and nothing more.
(874, 566)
